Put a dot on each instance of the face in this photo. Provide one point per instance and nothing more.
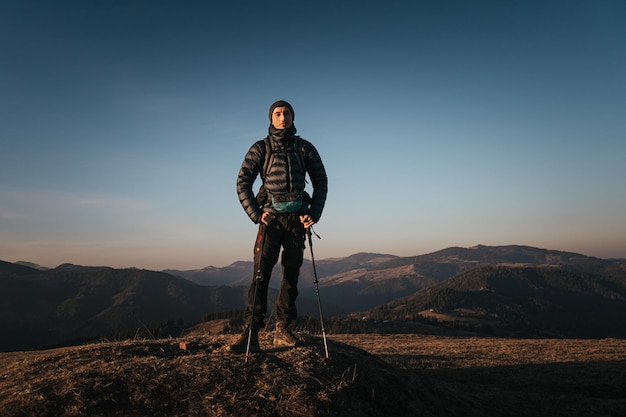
(282, 118)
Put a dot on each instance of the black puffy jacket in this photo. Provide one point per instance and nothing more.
(283, 176)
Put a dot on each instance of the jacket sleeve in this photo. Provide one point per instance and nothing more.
(319, 181)
(250, 168)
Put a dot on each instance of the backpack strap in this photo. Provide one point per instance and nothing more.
(301, 159)
(301, 156)
(268, 155)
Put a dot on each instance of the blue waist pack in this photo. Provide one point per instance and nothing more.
(287, 203)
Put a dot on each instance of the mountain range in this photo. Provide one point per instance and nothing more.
(536, 291)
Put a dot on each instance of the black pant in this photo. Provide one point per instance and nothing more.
(284, 231)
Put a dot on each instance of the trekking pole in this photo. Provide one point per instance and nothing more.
(317, 289)
(257, 278)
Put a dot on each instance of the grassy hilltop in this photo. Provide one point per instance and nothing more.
(367, 375)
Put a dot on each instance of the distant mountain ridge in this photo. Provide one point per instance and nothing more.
(40, 307)
(513, 254)
(402, 276)
(241, 272)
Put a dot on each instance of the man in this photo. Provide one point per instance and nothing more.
(283, 211)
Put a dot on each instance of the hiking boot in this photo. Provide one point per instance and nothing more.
(241, 344)
(283, 336)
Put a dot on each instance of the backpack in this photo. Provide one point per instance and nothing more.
(263, 195)
(270, 152)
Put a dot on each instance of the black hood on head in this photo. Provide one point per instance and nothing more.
(282, 133)
(282, 103)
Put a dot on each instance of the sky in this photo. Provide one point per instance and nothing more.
(123, 125)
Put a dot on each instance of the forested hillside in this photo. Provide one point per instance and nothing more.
(540, 301)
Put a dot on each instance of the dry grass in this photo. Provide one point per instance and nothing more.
(509, 377)
(367, 375)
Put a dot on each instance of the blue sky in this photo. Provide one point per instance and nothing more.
(123, 125)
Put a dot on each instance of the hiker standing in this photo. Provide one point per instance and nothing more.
(283, 211)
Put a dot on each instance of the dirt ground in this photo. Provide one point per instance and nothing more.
(366, 375)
